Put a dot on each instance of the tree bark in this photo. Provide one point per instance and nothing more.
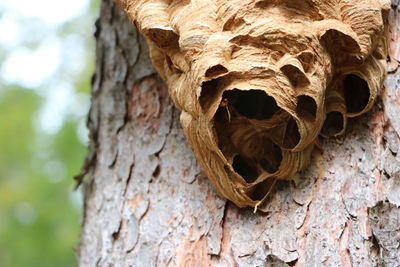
(147, 203)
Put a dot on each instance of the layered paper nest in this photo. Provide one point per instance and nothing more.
(258, 81)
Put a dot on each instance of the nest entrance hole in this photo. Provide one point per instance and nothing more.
(253, 104)
(306, 107)
(259, 191)
(209, 93)
(251, 168)
(215, 71)
(334, 124)
(272, 158)
(245, 169)
(356, 93)
(295, 75)
(292, 135)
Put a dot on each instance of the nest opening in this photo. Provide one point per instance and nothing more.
(306, 107)
(264, 4)
(356, 93)
(233, 23)
(215, 71)
(163, 37)
(253, 104)
(338, 42)
(209, 93)
(171, 65)
(295, 75)
(306, 59)
(334, 124)
(244, 168)
(261, 190)
(272, 158)
(292, 135)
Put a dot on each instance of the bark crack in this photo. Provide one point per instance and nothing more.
(302, 233)
(226, 249)
(129, 178)
(344, 252)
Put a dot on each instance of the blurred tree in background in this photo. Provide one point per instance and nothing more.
(46, 61)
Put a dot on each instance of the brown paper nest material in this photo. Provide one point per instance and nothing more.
(259, 81)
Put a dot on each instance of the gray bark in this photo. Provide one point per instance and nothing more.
(147, 203)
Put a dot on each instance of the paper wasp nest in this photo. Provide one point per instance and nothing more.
(258, 80)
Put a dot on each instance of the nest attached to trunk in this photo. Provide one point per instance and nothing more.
(259, 81)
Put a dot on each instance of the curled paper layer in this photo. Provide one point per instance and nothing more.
(259, 80)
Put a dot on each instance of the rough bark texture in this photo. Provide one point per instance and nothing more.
(148, 204)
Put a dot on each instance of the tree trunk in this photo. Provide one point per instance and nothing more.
(147, 203)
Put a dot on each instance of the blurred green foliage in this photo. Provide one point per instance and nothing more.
(39, 211)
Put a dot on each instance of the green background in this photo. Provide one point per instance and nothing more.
(39, 209)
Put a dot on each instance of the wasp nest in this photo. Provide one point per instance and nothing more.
(258, 80)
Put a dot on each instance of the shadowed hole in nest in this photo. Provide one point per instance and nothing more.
(292, 135)
(171, 65)
(233, 23)
(272, 160)
(216, 71)
(253, 104)
(307, 60)
(259, 191)
(245, 168)
(163, 37)
(306, 107)
(356, 93)
(296, 77)
(209, 93)
(250, 169)
(333, 124)
(339, 43)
